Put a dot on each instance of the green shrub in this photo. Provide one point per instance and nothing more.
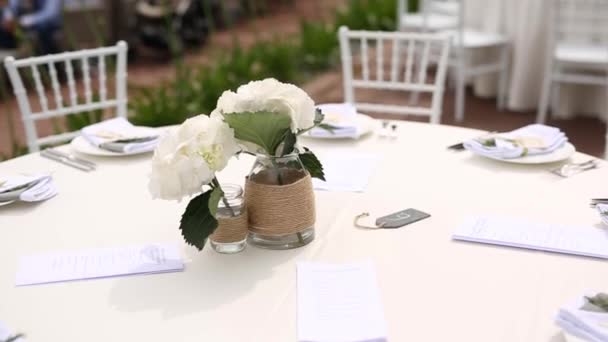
(318, 46)
(196, 90)
(159, 106)
(378, 15)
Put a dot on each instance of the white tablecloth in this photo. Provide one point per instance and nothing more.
(526, 23)
(433, 289)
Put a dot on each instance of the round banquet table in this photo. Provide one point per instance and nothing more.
(432, 288)
(526, 24)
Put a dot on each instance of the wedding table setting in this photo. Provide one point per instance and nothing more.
(303, 222)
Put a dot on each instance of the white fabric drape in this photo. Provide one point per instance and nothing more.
(526, 23)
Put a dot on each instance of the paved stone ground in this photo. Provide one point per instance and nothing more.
(283, 21)
(586, 133)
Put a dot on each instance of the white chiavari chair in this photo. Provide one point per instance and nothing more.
(92, 100)
(398, 70)
(465, 43)
(578, 50)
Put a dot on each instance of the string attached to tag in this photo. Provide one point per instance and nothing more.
(363, 226)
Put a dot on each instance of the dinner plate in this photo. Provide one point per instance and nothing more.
(365, 123)
(6, 203)
(571, 338)
(81, 145)
(562, 153)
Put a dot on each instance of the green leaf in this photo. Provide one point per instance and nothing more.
(265, 129)
(289, 143)
(319, 117)
(198, 222)
(312, 165)
(214, 199)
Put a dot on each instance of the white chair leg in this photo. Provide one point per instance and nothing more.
(503, 78)
(606, 138)
(543, 105)
(415, 95)
(461, 84)
(555, 96)
(451, 78)
(606, 146)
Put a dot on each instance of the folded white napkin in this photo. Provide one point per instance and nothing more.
(526, 141)
(5, 333)
(588, 325)
(43, 189)
(603, 209)
(343, 116)
(119, 129)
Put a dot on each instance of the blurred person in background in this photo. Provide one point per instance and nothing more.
(8, 38)
(42, 18)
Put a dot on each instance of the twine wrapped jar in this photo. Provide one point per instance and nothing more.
(281, 203)
(230, 236)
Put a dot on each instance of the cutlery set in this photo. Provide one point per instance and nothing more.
(119, 144)
(68, 159)
(388, 130)
(601, 205)
(37, 190)
(566, 170)
(11, 194)
(596, 201)
(570, 169)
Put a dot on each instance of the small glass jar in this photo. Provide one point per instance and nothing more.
(281, 203)
(231, 234)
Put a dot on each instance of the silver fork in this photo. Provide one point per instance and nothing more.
(570, 169)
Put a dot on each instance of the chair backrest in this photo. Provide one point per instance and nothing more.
(90, 64)
(448, 7)
(445, 8)
(406, 68)
(580, 21)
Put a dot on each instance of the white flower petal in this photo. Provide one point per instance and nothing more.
(269, 95)
(188, 157)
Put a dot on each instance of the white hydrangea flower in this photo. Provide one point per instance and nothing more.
(188, 157)
(270, 95)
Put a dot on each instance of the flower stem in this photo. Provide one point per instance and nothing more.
(216, 183)
(280, 181)
(278, 171)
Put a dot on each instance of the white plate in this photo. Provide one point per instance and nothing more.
(6, 203)
(365, 123)
(562, 153)
(571, 338)
(81, 145)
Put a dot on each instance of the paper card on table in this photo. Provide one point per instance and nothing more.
(346, 171)
(339, 303)
(584, 241)
(98, 263)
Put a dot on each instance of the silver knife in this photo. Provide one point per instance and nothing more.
(66, 161)
(118, 146)
(72, 158)
(596, 201)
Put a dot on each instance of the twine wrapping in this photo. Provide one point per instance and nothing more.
(277, 210)
(231, 229)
